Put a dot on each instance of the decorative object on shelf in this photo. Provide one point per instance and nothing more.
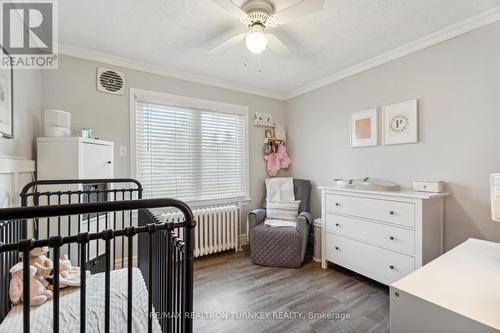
(364, 128)
(423, 185)
(279, 131)
(87, 133)
(57, 123)
(6, 102)
(400, 122)
(495, 196)
(269, 133)
(263, 119)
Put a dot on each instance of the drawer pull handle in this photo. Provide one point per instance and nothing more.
(109, 162)
(391, 267)
(391, 212)
(337, 225)
(337, 248)
(337, 204)
(391, 238)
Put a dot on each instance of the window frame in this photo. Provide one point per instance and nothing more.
(195, 104)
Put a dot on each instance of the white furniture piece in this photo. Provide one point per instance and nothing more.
(75, 158)
(14, 173)
(382, 235)
(458, 292)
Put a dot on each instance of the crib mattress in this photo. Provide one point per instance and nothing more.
(69, 319)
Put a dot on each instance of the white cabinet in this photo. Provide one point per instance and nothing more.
(458, 292)
(74, 158)
(382, 235)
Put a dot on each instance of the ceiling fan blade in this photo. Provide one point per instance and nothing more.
(277, 46)
(231, 8)
(228, 43)
(302, 8)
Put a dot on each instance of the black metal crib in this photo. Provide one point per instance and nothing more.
(164, 259)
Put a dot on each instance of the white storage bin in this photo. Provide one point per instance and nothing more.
(434, 186)
(57, 123)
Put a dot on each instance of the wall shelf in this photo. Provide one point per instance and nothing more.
(263, 124)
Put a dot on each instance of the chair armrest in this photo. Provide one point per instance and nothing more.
(255, 217)
(304, 221)
(305, 216)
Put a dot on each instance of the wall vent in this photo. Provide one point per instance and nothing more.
(110, 81)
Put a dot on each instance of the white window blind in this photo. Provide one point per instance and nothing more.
(190, 154)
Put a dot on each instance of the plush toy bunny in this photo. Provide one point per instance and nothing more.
(42, 264)
(69, 276)
(38, 286)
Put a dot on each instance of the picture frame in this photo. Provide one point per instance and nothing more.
(279, 131)
(268, 132)
(263, 118)
(6, 101)
(400, 123)
(364, 128)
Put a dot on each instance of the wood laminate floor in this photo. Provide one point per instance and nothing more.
(231, 287)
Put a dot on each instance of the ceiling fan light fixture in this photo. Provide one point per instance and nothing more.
(256, 39)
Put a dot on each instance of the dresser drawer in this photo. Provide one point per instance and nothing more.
(377, 263)
(396, 212)
(390, 237)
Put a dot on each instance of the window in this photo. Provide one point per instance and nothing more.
(189, 149)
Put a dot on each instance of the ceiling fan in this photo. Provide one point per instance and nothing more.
(259, 16)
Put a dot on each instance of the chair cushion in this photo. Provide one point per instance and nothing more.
(279, 247)
(280, 189)
(283, 210)
(280, 223)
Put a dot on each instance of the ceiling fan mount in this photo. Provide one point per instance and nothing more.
(259, 12)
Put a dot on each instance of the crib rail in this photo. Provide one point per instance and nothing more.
(165, 260)
(67, 191)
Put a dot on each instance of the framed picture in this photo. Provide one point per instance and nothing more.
(6, 102)
(263, 118)
(364, 128)
(279, 131)
(400, 122)
(269, 133)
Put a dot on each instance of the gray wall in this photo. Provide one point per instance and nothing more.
(73, 88)
(27, 106)
(458, 87)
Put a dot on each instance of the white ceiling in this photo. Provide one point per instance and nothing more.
(176, 34)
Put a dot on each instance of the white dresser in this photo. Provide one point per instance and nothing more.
(382, 235)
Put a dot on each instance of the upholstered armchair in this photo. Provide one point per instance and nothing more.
(281, 246)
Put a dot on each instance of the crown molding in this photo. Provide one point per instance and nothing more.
(100, 57)
(460, 28)
(455, 30)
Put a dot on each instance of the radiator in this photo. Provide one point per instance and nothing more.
(217, 228)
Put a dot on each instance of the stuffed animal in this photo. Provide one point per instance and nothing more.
(42, 263)
(38, 286)
(69, 276)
